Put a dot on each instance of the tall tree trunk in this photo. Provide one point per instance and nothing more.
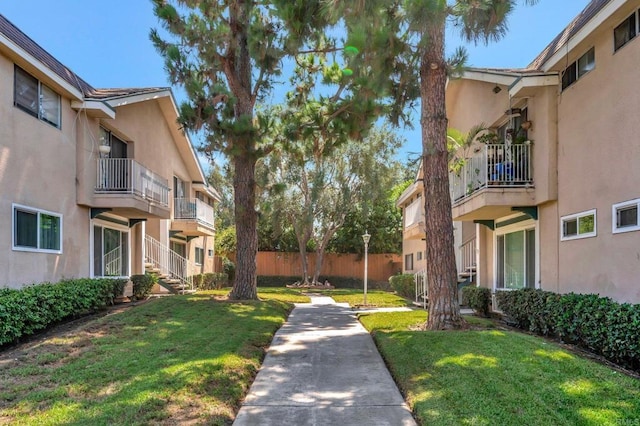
(244, 185)
(238, 71)
(444, 311)
(304, 262)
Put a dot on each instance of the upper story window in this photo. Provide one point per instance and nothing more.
(579, 225)
(626, 31)
(577, 69)
(36, 230)
(32, 96)
(625, 216)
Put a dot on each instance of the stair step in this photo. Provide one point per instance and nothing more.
(466, 274)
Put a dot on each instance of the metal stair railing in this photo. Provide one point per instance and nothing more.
(169, 262)
(420, 280)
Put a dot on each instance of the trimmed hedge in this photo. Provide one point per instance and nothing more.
(34, 308)
(598, 324)
(142, 285)
(210, 281)
(478, 299)
(404, 285)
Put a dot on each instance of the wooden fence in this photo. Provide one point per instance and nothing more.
(380, 266)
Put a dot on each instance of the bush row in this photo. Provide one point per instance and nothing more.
(477, 298)
(210, 281)
(598, 324)
(33, 308)
(404, 285)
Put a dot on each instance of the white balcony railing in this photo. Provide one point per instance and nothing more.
(414, 213)
(495, 165)
(193, 209)
(124, 175)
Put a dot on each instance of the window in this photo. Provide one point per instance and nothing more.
(36, 230)
(625, 216)
(516, 260)
(32, 96)
(624, 32)
(110, 252)
(408, 262)
(579, 225)
(577, 69)
(199, 256)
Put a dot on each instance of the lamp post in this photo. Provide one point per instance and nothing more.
(366, 238)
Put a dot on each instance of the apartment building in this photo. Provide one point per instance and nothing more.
(549, 197)
(93, 182)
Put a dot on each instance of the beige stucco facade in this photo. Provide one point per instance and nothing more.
(58, 170)
(559, 229)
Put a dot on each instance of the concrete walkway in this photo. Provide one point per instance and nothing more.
(322, 368)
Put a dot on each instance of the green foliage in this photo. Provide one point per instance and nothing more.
(142, 285)
(404, 285)
(34, 308)
(598, 324)
(211, 281)
(225, 242)
(477, 298)
(229, 268)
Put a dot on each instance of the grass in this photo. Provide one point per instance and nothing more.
(355, 297)
(281, 294)
(180, 360)
(493, 377)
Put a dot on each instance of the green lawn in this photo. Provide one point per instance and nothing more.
(282, 294)
(495, 377)
(183, 359)
(355, 297)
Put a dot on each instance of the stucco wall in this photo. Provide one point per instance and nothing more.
(598, 156)
(38, 170)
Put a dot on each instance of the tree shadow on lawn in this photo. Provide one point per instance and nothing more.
(179, 360)
(499, 377)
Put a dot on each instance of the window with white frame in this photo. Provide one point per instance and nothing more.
(36, 230)
(408, 262)
(110, 251)
(199, 256)
(33, 97)
(625, 216)
(577, 69)
(626, 31)
(579, 225)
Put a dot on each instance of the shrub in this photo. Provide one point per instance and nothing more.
(229, 268)
(197, 280)
(477, 298)
(212, 281)
(598, 324)
(33, 308)
(142, 285)
(404, 285)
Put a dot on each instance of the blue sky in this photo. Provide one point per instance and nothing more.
(106, 42)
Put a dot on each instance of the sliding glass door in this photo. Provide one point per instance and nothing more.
(516, 259)
(110, 252)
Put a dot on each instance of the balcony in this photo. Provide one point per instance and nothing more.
(414, 220)
(495, 179)
(193, 217)
(129, 189)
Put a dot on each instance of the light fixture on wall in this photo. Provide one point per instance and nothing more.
(497, 89)
(104, 148)
(526, 125)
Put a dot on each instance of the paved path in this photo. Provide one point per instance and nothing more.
(322, 368)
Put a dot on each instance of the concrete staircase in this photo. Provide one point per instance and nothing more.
(165, 281)
(174, 272)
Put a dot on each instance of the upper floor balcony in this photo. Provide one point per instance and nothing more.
(494, 179)
(414, 219)
(192, 217)
(127, 188)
